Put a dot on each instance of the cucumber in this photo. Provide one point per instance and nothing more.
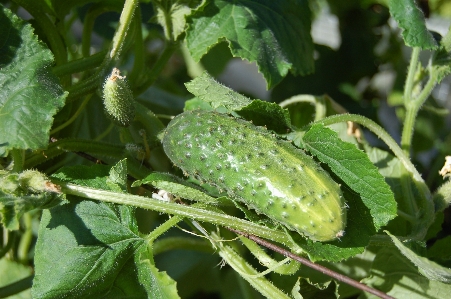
(256, 168)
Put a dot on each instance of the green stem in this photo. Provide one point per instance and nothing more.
(164, 227)
(159, 65)
(172, 243)
(74, 117)
(11, 235)
(96, 148)
(174, 209)
(90, 84)
(16, 287)
(411, 74)
(247, 272)
(18, 156)
(124, 24)
(382, 134)
(25, 240)
(138, 45)
(88, 27)
(79, 65)
(412, 108)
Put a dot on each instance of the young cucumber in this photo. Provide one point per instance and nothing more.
(254, 167)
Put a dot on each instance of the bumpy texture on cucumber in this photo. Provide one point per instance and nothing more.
(254, 167)
(118, 99)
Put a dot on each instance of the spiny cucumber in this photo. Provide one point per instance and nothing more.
(118, 99)
(256, 168)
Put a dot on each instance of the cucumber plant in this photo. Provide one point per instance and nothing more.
(182, 173)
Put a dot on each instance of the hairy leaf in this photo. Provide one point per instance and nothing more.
(87, 249)
(274, 34)
(355, 169)
(426, 267)
(411, 19)
(29, 93)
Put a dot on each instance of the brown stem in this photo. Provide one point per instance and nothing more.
(322, 269)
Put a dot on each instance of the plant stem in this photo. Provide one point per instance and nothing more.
(18, 156)
(103, 149)
(11, 238)
(412, 108)
(164, 227)
(25, 240)
(247, 272)
(161, 62)
(382, 134)
(124, 24)
(90, 84)
(174, 209)
(138, 45)
(81, 64)
(411, 74)
(322, 269)
(74, 117)
(172, 243)
(16, 287)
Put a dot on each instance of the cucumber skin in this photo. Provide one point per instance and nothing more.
(254, 167)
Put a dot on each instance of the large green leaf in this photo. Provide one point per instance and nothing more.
(29, 93)
(87, 249)
(411, 19)
(355, 169)
(274, 34)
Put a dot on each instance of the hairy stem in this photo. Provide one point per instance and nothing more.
(174, 209)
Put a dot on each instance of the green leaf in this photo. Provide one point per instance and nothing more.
(411, 19)
(267, 114)
(406, 192)
(29, 93)
(426, 267)
(176, 11)
(87, 249)
(197, 104)
(261, 113)
(274, 34)
(19, 194)
(117, 179)
(355, 169)
(209, 90)
(395, 275)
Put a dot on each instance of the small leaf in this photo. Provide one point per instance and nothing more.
(426, 267)
(274, 34)
(355, 169)
(411, 20)
(117, 179)
(29, 93)
(267, 114)
(209, 90)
